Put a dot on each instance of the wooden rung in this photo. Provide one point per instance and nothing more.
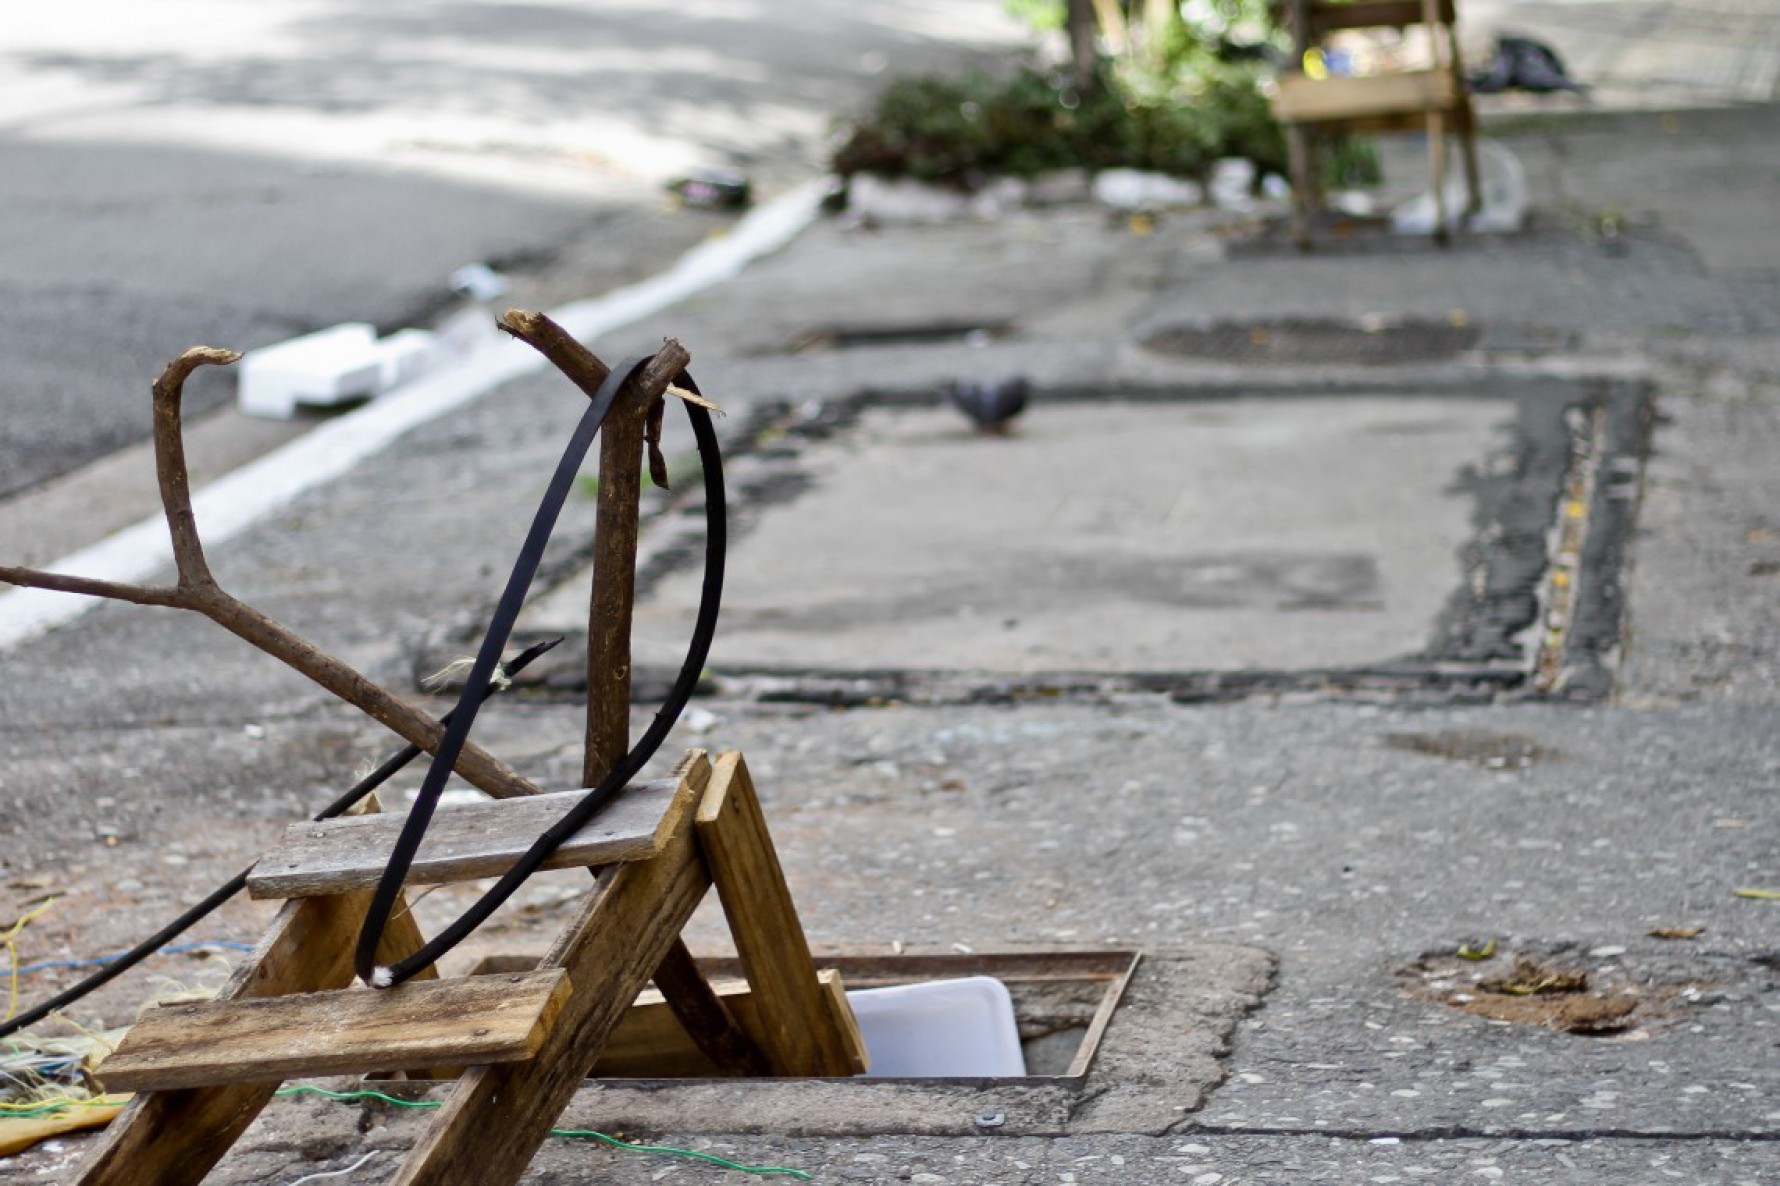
(464, 843)
(650, 1043)
(470, 1020)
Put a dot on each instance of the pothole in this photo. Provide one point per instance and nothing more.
(1557, 991)
(1313, 340)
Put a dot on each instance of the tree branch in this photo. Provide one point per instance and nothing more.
(170, 467)
(198, 591)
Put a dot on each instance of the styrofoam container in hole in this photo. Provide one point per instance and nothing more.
(940, 1029)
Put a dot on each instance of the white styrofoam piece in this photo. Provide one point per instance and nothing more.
(405, 355)
(236, 501)
(1504, 206)
(940, 1029)
(324, 368)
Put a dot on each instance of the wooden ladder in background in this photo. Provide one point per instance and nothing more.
(1433, 100)
(204, 1071)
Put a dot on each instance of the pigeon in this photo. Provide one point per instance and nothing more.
(990, 403)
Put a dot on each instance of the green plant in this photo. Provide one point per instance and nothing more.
(1173, 96)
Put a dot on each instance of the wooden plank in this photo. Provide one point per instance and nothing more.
(173, 1138)
(728, 1048)
(650, 1043)
(798, 1031)
(497, 1116)
(463, 843)
(1307, 100)
(470, 1019)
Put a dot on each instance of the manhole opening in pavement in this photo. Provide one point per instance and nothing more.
(919, 333)
(1309, 340)
(1063, 1002)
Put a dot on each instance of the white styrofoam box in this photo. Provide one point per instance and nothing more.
(324, 368)
(940, 1029)
(404, 355)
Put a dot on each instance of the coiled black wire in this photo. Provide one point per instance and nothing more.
(500, 627)
(120, 964)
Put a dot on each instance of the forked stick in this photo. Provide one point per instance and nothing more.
(197, 590)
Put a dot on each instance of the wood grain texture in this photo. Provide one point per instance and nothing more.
(650, 1043)
(797, 1028)
(726, 1046)
(463, 843)
(497, 1116)
(468, 1019)
(173, 1138)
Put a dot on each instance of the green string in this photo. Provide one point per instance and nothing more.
(690, 1154)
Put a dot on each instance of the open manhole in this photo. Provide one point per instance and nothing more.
(1314, 340)
(1063, 1001)
(1113, 1041)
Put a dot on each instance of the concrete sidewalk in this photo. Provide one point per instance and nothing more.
(1335, 717)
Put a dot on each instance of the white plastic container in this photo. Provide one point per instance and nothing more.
(940, 1029)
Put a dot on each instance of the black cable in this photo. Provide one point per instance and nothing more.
(500, 626)
(228, 889)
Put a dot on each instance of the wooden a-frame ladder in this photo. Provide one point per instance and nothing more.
(204, 1071)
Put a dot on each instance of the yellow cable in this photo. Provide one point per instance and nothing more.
(10, 938)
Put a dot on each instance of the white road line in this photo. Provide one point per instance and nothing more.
(233, 503)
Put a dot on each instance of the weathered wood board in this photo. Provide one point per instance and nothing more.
(470, 1020)
(463, 843)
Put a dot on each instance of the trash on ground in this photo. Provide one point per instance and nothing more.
(1134, 189)
(478, 282)
(1676, 932)
(1503, 198)
(714, 189)
(344, 364)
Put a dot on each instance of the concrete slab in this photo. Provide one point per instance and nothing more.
(1278, 534)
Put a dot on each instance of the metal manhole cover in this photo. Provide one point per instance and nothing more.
(1315, 340)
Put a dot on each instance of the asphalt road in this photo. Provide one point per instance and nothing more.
(200, 171)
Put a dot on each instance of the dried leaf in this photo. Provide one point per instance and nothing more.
(1531, 979)
(1677, 932)
(1760, 895)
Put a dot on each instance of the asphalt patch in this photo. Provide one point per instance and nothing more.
(826, 605)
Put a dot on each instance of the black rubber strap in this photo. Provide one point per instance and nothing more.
(499, 628)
